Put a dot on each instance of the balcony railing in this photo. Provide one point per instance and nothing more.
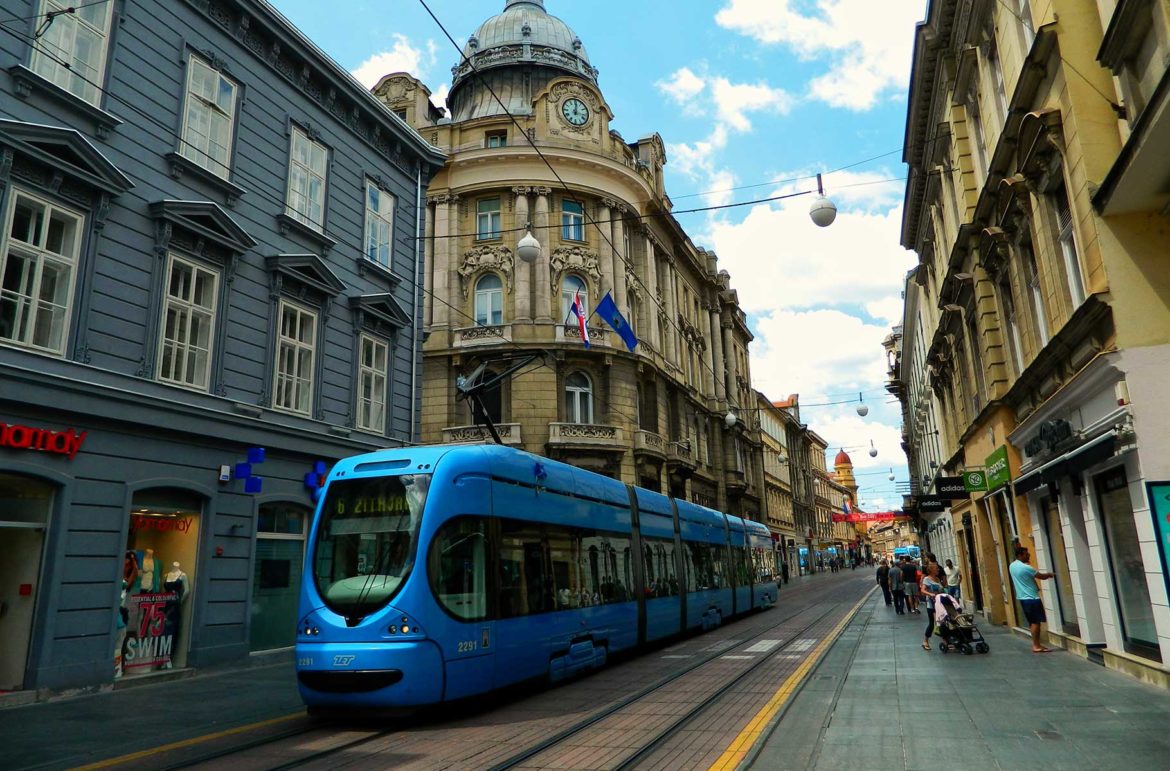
(509, 433)
(648, 441)
(467, 337)
(586, 435)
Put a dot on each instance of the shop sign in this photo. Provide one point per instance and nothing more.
(140, 522)
(1159, 493)
(18, 437)
(930, 504)
(951, 488)
(974, 481)
(998, 473)
(1049, 436)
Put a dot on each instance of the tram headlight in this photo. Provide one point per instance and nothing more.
(394, 629)
(310, 631)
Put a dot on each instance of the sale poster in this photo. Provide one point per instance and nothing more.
(152, 627)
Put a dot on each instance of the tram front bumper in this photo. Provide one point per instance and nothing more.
(405, 674)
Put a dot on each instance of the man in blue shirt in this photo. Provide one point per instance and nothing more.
(1024, 578)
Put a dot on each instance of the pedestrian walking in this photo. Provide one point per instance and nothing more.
(910, 579)
(931, 587)
(954, 579)
(883, 580)
(897, 588)
(1024, 578)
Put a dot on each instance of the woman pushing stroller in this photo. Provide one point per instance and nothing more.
(931, 587)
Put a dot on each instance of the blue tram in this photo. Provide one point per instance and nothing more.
(437, 573)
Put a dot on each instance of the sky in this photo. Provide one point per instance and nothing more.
(753, 98)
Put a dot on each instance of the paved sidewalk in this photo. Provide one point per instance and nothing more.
(75, 731)
(878, 700)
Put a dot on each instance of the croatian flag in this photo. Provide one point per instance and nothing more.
(578, 310)
(847, 507)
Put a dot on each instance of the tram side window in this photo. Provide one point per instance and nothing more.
(709, 561)
(458, 568)
(721, 566)
(524, 584)
(659, 568)
(606, 561)
(742, 561)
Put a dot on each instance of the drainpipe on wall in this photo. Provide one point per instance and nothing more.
(416, 316)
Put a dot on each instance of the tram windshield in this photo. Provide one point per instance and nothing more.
(366, 540)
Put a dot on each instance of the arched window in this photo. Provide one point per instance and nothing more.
(493, 401)
(570, 286)
(578, 398)
(489, 301)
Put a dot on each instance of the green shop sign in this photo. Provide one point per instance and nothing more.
(975, 480)
(997, 471)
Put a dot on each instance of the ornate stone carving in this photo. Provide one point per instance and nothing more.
(476, 433)
(587, 431)
(486, 257)
(483, 333)
(574, 258)
(396, 89)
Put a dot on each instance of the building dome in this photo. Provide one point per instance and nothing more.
(843, 459)
(522, 38)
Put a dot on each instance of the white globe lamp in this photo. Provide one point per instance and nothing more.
(528, 249)
(823, 212)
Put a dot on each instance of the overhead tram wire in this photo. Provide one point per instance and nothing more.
(262, 193)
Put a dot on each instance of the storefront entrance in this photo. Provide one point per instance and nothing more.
(1058, 557)
(24, 514)
(158, 578)
(276, 579)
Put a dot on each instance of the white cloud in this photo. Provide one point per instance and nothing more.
(401, 57)
(439, 97)
(887, 309)
(735, 100)
(683, 86)
(866, 44)
(778, 259)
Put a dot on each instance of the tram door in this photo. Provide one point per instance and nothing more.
(24, 513)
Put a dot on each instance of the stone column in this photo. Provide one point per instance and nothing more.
(716, 341)
(429, 266)
(729, 362)
(672, 326)
(708, 354)
(523, 269)
(667, 293)
(542, 275)
(604, 250)
(652, 299)
(442, 259)
(620, 295)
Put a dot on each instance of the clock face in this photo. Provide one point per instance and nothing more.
(575, 111)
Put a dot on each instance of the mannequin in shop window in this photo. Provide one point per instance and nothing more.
(147, 573)
(176, 585)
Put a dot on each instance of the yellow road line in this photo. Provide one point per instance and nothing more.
(739, 748)
(187, 742)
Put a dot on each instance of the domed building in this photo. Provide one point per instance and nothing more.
(526, 97)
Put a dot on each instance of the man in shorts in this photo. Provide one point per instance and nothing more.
(1024, 578)
(910, 577)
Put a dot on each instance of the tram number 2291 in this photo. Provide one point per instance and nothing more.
(466, 646)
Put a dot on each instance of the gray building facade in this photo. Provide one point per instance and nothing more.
(209, 291)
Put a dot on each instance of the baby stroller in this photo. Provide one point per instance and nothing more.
(957, 629)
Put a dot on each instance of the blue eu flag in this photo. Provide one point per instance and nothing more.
(607, 309)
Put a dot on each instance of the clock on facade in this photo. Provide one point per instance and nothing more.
(575, 111)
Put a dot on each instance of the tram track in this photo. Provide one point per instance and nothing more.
(660, 739)
(340, 739)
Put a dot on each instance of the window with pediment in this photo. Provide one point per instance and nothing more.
(489, 300)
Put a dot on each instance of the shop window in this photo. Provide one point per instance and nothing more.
(158, 578)
(25, 506)
(276, 574)
(1128, 568)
